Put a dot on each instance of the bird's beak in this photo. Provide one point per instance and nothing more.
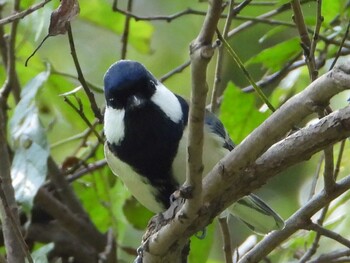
(135, 102)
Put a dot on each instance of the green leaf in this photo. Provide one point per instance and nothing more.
(239, 112)
(94, 194)
(200, 248)
(330, 9)
(282, 2)
(272, 32)
(40, 255)
(136, 214)
(140, 35)
(276, 56)
(31, 150)
(101, 14)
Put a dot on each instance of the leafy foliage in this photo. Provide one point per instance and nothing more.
(41, 124)
(30, 145)
(239, 112)
(274, 57)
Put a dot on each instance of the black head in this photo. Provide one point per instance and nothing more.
(128, 83)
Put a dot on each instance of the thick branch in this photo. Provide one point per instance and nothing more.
(244, 165)
(201, 52)
(289, 115)
(295, 222)
(71, 222)
(294, 149)
(8, 207)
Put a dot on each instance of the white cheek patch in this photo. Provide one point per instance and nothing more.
(167, 102)
(114, 126)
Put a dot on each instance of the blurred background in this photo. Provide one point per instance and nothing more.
(265, 47)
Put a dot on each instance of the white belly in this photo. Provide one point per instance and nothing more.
(138, 185)
(141, 188)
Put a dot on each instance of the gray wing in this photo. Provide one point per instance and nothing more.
(251, 210)
(218, 128)
(256, 214)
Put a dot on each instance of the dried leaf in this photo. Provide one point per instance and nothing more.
(67, 10)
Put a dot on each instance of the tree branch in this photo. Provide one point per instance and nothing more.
(70, 221)
(295, 222)
(289, 115)
(201, 52)
(24, 13)
(81, 78)
(328, 233)
(249, 165)
(8, 207)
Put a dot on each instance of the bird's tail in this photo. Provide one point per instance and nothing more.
(256, 214)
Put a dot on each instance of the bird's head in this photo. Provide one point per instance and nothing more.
(128, 84)
(132, 93)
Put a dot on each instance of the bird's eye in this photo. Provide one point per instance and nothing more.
(153, 83)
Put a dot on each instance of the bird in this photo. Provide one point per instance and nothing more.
(146, 131)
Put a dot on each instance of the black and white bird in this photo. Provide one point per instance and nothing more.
(145, 125)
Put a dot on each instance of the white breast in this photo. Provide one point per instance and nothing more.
(138, 186)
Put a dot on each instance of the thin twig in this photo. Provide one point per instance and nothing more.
(175, 71)
(266, 21)
(75, 137)
(304, 37)
(237, 9)
(293, 64)
(328, 173)
(322, 217)
(168, 18)
(315, 37)
(89, 168)
(3, 42)
(10, 217)
(63, 188)
(339, 159)
(83, 161)
(81, 78)
(217, 87)
(328, 233)
(294, 222)
(24, 13)
(225, 231)
(91, 85)
(330, 257)
(315, 177)
(341, 46)
(81, 113)
(72, 222)
(246, 73)
(271, 13)
(275, 78)
(12, 83)
(125, 35)
(315, 244)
